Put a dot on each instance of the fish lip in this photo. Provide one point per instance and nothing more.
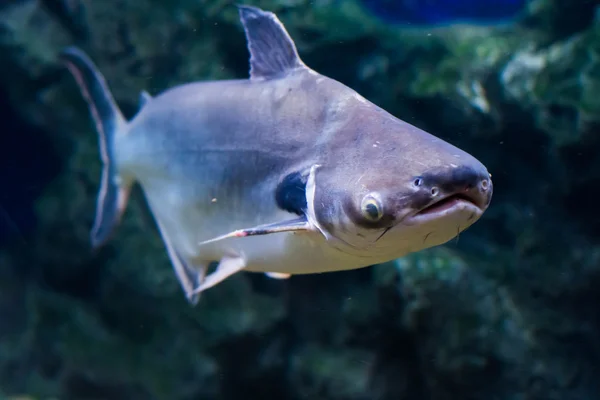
(447, 205)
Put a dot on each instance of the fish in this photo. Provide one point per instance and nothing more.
(285, 172)
(443, 12)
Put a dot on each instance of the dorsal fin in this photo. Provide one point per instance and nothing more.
(272, 51)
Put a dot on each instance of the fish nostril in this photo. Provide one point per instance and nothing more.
(434, 191)
(418, 182)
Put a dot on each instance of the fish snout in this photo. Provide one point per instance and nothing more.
(452, 187)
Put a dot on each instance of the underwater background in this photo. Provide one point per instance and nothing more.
(510, 310)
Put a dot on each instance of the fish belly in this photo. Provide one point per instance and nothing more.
(193, 206)
(189, 219)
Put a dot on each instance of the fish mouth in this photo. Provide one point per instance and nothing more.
(458, 202)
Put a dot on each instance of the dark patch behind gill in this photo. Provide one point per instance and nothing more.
(290, 194)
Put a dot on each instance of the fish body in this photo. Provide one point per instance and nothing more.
(288, 172)
(182, 140)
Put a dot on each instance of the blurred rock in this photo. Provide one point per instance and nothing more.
(506, 312)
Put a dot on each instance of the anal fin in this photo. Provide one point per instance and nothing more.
(190, 274)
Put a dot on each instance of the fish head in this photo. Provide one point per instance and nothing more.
(389, 188)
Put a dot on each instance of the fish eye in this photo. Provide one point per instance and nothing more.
(371, 208)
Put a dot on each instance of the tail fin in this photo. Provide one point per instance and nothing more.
(113, 194)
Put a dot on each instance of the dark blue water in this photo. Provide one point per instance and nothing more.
(439, 12)
(27, 164)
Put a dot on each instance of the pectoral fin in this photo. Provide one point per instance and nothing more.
(293, 225)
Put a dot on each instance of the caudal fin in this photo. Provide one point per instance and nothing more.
(113, 193)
